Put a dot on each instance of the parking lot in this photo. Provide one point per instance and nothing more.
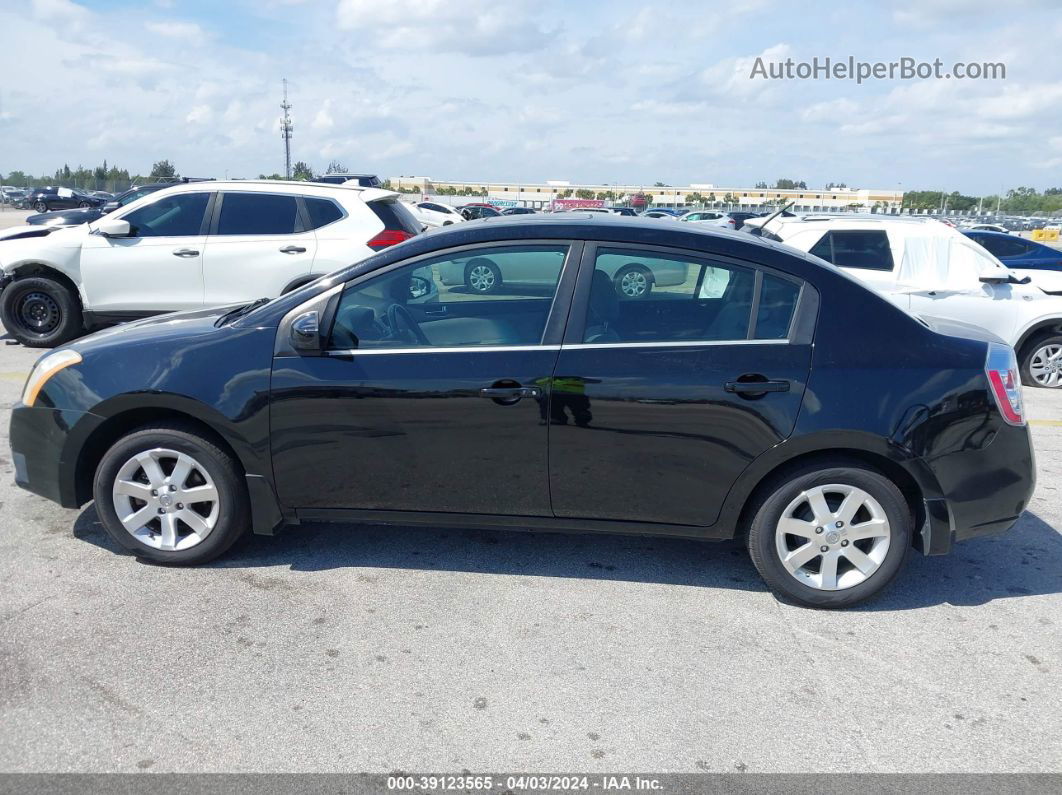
(357, 648)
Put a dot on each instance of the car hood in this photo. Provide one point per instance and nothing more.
(175, 325)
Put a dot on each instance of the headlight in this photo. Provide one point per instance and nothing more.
(44, 369)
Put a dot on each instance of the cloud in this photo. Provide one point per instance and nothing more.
(189, 32)
(468, 27)
(199, 114)
(323, 119)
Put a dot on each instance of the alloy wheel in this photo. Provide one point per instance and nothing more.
(481, 277)
(166, 499)
(1045, 366)
(634, 284)
(832, 537)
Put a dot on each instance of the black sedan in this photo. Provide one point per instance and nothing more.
(767, 397)
(85, 215)
(45, 200)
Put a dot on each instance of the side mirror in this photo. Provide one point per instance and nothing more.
(113, 227)
(306, 333)
(109, 207)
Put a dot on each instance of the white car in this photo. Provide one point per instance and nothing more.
(190, 246)
(985, 228)
(701, 216)
(932, 270)
(435, 214)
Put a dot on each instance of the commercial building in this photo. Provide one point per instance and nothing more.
(539, 195)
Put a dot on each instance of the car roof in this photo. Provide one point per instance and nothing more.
(285, 186)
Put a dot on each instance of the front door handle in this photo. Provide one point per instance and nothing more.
(755, 387)
(185, 252)
(510, 392)
(292, 250)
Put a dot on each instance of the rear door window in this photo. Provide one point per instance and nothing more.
(856, 248)
(258, 214)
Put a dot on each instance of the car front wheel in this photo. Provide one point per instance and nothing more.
(1042, 365)
(40, 207)
(171, 495)
(40, 312)
(830, 535)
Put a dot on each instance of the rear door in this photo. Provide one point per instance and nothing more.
(259, 244)
(658, 403)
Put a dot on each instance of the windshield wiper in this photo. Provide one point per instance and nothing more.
(240, 311)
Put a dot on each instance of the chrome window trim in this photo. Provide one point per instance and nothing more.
(565, 347)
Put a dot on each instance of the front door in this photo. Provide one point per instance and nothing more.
(659, 402)
(432, 396)
(158, 268)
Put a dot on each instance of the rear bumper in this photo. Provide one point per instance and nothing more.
(45, 461)
(982, 491)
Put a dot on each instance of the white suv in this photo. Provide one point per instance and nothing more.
(193, 245)
(931, 269)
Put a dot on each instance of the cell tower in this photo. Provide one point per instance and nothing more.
(285, 131)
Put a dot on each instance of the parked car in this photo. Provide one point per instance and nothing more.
(631, 277)
(932, 269)
(45, 199)
(1042, 264)
(361, 180)
(435, 214)
(351, 400)
(191, 245)
(518, 211)
(659, 213)
(472, 212)
(630, 212)
(983, 228)
(701, 216)
(735, 219)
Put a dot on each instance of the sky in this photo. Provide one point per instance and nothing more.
(535, 90)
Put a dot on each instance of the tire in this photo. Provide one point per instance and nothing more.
(881, 556)
(633, 281)
(40, 312)
(40, 207)
(83, 205)
(221, 520)
(482, 276)
(1045, 356)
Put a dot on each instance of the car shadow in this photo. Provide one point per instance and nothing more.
(1025, 561)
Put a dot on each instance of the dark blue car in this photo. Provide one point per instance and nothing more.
(1016, 252)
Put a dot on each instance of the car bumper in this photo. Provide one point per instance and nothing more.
(42, 452)
(982, 491)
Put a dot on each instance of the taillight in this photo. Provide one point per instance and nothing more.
(1001, 367)
(388, 237)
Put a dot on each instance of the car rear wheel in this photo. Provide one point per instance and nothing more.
(482, 276)
(633, 281)
(40, 312)
(830, 535)
(1042, 365)
(170, 495)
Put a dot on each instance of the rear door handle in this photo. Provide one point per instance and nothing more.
(185, 252)
(293, 250)
(746, 387)
(510, 392)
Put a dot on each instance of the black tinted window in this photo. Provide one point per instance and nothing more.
(322, 212)
(257, 214)
(1003, 246)
(866, 249)
(171, 216)
(778, 300)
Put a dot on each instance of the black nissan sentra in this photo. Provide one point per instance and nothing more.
(556, 372)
